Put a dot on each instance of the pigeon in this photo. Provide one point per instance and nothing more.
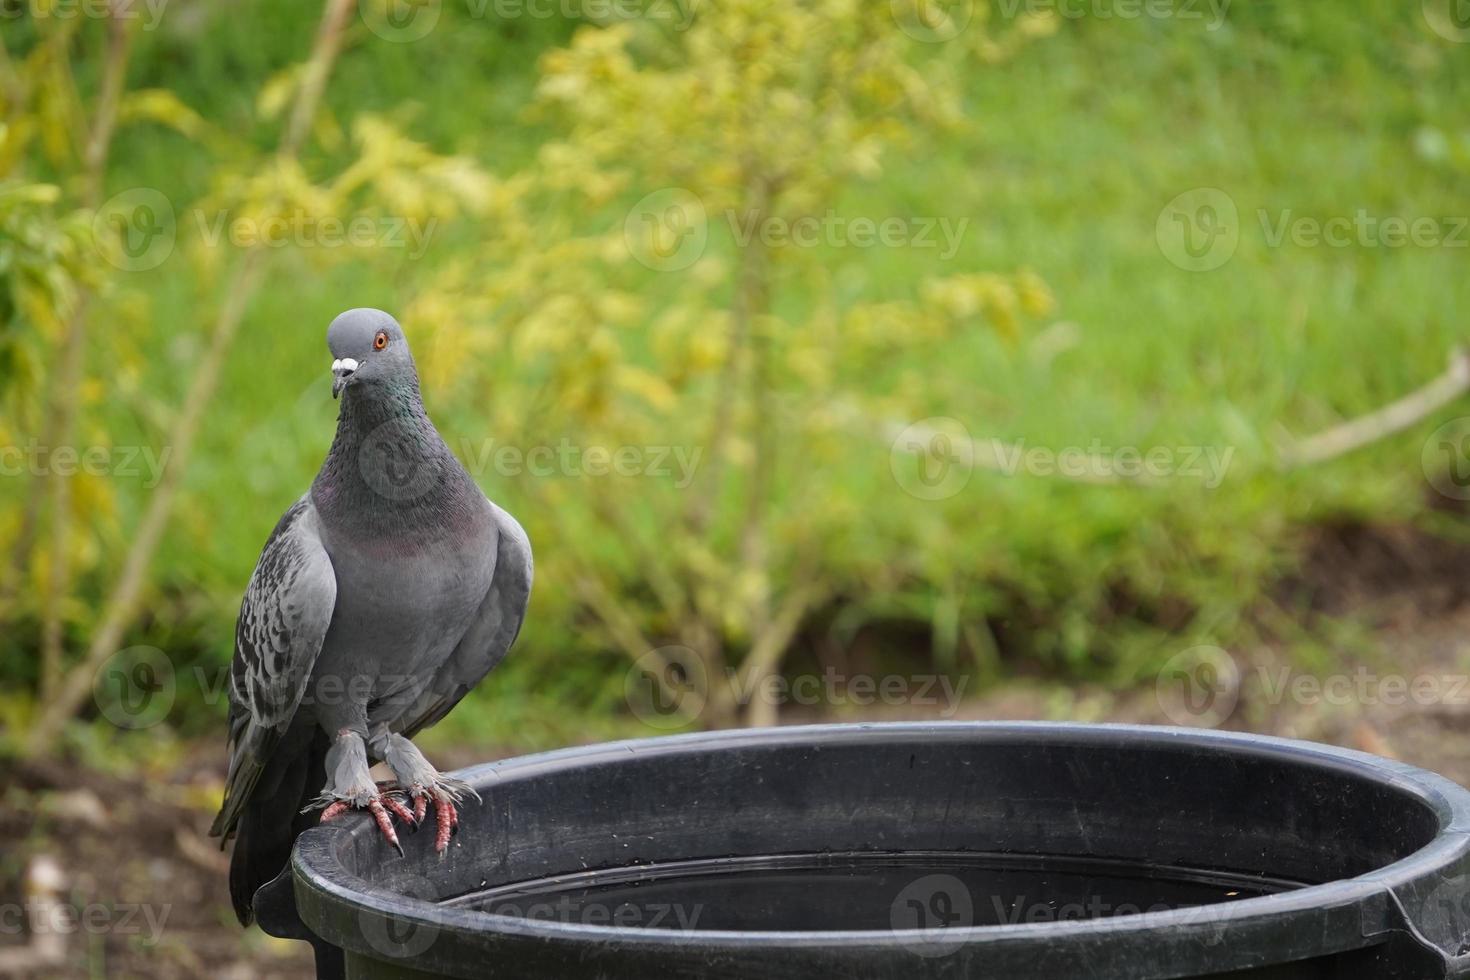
(387, 592)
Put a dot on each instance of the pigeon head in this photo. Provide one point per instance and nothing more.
(368, 348)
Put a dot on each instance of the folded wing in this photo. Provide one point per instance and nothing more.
(283, 621)
(494, 628)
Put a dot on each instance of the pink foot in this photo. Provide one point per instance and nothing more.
(446, 815)
(379, 806)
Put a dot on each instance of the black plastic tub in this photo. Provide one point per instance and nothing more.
(1004, 851)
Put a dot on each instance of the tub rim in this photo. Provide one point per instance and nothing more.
(1370, 904)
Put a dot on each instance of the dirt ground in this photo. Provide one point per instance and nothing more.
(134, 864)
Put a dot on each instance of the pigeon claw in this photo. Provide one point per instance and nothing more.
(380, 807)
(400, 811)
(335, 810)
(385, 823)
(447, 818)
(446, 814)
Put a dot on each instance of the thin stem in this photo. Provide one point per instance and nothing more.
(770, 645)
(122, 604)
(742, 312)
(68, 385)
(1391, 418)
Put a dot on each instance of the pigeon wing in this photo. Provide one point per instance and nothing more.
(283, 621)
(494, 628)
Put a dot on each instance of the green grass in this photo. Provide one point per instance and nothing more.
(1070, 151)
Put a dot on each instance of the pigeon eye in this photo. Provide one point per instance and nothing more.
(380, 341)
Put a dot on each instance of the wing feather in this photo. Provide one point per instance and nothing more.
(283, 620)
(489, 638)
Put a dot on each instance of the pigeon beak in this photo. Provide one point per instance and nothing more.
(342, 371)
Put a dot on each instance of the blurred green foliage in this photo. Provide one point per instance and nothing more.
(561, 161)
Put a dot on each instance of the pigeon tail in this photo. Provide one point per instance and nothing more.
(263, 839)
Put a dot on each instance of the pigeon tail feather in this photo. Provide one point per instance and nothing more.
(263, 837)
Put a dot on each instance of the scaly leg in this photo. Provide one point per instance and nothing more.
(423, 783)
(351, 787)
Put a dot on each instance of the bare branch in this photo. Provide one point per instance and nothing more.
(45, 887)
(620, 624)
(992, 454)
(771, 644)
(745, 308)
(651, 561)
(1395, 417)
(68, 384)
(10, 80)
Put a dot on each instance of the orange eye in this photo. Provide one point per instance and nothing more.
(380, 341)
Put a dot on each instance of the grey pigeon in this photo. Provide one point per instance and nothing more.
(383, 595)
